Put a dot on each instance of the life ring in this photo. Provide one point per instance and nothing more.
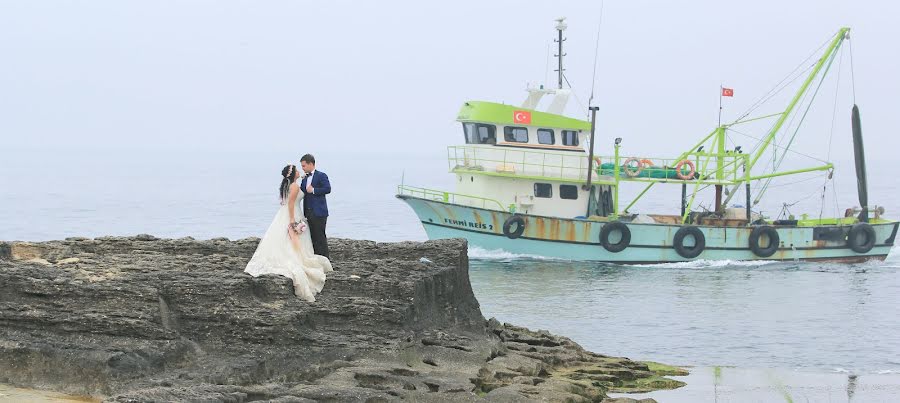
(861, 237)
(632, 171)
(598, 166)
(623, 242)
(699, 242)
(685, 176)
(774, 241)
(648, 164)
(516, 220)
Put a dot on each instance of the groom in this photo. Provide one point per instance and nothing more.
(315, 186)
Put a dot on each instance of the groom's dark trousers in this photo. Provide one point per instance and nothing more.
(317, 233)
(315, 209)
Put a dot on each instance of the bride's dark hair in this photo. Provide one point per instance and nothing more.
(288, 173)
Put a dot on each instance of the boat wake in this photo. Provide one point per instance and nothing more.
(479, 253)
(699, 264)
(893, 255)
(500, 254)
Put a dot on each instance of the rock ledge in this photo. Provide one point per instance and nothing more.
(135, 319)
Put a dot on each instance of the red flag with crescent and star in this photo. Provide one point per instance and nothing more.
(727, 92)
(523, 117)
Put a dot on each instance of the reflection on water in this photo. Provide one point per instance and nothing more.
(777, 315)
(726, 384)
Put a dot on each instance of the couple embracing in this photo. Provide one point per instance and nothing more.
(295, 245)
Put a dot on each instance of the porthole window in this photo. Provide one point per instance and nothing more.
(568, 192)
(544, 190)
(545, 136)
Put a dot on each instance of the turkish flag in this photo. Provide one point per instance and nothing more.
(727, 92)
(523, 117)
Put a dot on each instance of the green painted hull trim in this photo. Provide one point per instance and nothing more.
(501, 114)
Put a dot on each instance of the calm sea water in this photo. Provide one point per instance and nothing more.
(819, 317)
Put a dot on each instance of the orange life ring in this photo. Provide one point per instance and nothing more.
(689, 175)
(630, 170)
(648, 164)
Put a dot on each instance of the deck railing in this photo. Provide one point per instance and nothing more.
(503, 161)
(695, 167)
(450, 197)
(569, 166)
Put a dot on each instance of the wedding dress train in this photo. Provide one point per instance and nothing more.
(278, 253)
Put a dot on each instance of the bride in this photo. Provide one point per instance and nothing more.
(286, 249)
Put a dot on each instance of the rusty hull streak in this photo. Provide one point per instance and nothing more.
(570, 231)
(494, 221)
(539, 227)
(555, 229)
(436, 212)
(449, 212)
(585, 231)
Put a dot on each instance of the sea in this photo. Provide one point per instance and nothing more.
(787, 331)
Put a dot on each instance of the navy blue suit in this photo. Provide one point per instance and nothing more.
(315, 209)
(315, 201)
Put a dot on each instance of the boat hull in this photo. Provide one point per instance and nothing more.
(577, 239)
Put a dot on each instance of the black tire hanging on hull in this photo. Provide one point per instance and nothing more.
(623, 242)
(519, 222)
(699, 242)
(774, 241)
(861, 237)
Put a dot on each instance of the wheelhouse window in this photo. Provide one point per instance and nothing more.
(545, 136)
(570, 138)
(515, 134)
(479, 133)
(544, 190)
(568, 192)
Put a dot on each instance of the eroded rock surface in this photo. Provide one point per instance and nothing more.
(144, 319)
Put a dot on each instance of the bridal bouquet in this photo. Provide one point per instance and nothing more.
(298, 227)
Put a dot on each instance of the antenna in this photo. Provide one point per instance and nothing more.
(596, 51)
(560, 27)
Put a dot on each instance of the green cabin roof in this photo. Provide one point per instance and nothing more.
(491, 112)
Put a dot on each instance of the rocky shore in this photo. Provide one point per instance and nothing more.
(141, 319)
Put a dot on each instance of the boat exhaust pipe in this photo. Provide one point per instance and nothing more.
(859, 156)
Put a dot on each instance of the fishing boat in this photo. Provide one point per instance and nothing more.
(528, 182)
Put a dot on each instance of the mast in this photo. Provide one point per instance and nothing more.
(829, 53)
(560, 27)
(720, 139)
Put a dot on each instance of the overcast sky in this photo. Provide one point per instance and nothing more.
(381, 76)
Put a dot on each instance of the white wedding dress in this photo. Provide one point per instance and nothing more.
(278, 254)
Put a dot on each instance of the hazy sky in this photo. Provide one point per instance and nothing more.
(380, 76)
